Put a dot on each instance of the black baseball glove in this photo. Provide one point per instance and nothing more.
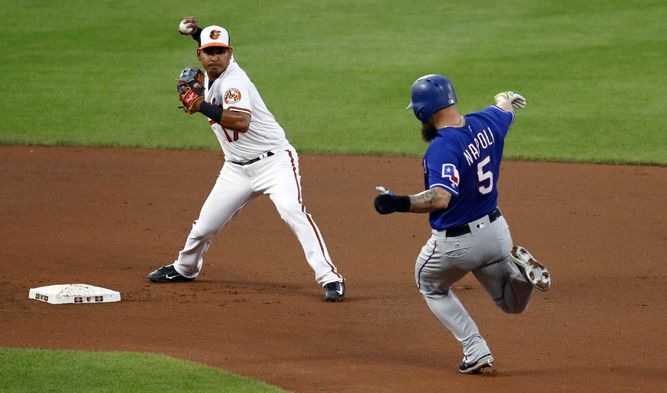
(190, 87)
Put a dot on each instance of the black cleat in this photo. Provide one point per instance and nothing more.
(476, 366)
(334, 291)
(167, 274)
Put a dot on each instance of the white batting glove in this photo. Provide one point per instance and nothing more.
(517, 100)
(383, 190)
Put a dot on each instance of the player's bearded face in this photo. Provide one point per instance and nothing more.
(214, 60)
(428, 131)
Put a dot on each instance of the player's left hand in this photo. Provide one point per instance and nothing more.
(388, 202)
(384, 204)
(517, 100)
(383, 190)
(190, 87)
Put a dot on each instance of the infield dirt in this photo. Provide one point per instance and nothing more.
(107, 217)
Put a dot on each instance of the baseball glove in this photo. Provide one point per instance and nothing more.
(190, 87)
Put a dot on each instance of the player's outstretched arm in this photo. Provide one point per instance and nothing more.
(433, 199)
(424, 202)
(508, 100)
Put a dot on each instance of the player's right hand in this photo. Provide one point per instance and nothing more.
(190, 21)
(517, 100)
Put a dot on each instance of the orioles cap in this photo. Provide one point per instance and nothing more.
(214, 36)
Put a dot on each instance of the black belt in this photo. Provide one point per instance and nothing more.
(465, 228)
(267, 154)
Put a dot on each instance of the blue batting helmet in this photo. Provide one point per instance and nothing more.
(430, 93)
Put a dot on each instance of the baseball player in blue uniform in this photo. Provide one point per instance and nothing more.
(461, 170)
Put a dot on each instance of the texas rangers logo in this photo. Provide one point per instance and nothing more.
(450, 97)
(450, 172)
(232, 96)
(215, 34)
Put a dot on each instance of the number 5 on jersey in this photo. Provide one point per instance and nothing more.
(483, 176)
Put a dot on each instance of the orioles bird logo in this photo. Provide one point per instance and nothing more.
(215, 34)
(232, 96)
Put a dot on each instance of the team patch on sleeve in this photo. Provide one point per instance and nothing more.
(232, 96)
(450, 172)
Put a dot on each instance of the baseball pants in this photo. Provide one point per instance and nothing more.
(486, 253)
(277, 177)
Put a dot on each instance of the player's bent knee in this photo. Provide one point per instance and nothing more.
(433, 292)
(511, 308)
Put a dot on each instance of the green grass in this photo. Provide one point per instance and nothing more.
(48, 371)
(336, 73)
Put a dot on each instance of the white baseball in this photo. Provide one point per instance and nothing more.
(184, 28)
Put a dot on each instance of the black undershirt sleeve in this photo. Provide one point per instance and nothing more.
(212, 112)
(197, 36)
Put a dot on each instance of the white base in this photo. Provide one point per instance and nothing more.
(73, 294)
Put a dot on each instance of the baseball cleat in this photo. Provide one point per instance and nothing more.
(535, 272)
(334, 291)
(167, 274)
(476, 366)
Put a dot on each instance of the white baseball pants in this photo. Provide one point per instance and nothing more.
(276, 176)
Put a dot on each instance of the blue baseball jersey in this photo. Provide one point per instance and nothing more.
(465, 161)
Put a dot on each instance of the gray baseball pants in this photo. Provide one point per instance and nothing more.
(485, 252)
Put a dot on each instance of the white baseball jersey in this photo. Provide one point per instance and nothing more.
(234, 91)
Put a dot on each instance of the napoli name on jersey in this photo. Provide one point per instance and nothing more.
(465, 161)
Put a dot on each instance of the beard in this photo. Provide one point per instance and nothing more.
(428, 132)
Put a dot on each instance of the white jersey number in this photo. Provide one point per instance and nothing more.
(484, 176)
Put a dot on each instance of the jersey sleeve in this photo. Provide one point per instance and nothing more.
(502, 118)
(441, 168)
(236, 96)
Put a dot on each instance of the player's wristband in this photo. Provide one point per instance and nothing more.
(212, 112)
(387, 203)
(402, 203)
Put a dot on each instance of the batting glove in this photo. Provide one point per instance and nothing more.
(383, 190)
(517, 100)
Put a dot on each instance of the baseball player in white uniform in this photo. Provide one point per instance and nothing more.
(258, 160)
